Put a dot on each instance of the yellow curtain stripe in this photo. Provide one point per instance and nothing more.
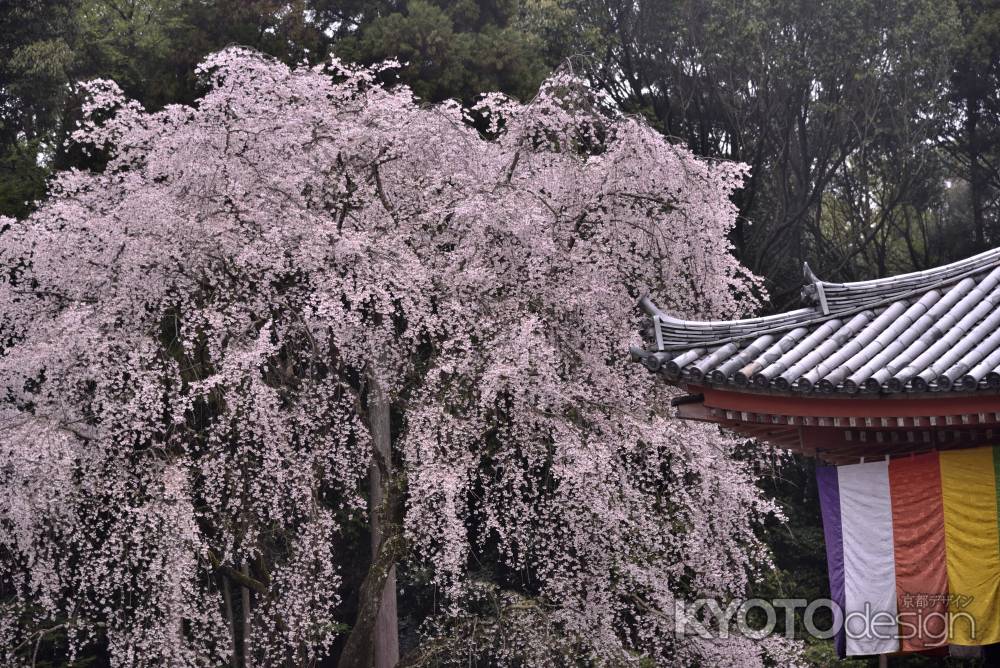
(969, 491)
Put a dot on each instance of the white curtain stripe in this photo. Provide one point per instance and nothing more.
(869, 559)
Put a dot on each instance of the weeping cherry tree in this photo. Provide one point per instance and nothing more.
(310, 303)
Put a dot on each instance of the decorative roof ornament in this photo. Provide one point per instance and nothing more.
(812, 291)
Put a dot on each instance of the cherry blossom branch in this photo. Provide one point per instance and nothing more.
(237, 576)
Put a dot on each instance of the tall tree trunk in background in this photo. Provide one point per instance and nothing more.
(385, 636)
(977, 176)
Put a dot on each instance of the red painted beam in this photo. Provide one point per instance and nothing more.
(864, 406)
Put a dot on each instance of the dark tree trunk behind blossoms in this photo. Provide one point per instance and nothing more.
(386, 633)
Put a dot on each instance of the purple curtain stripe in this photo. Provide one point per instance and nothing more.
(829, 499)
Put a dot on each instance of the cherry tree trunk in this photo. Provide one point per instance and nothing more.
(245, 595)
(385, 636)
(227, 595)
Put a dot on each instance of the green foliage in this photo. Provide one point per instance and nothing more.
(35, 71)
(35, 57)
(456, 49)
(22, 178)
(151, 47)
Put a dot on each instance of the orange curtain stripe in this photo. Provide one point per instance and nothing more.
(918, 541)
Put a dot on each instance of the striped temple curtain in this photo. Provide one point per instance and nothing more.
(913, 550)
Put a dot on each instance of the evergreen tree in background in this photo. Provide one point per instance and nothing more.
(151, 48)
(36, 60)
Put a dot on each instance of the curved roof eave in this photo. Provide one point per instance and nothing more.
(885, 335)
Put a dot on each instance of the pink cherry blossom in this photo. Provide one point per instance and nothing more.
(186, 334)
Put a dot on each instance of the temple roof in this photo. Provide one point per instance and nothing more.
(929, 331)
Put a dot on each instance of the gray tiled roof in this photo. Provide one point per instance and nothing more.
(934, 330)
